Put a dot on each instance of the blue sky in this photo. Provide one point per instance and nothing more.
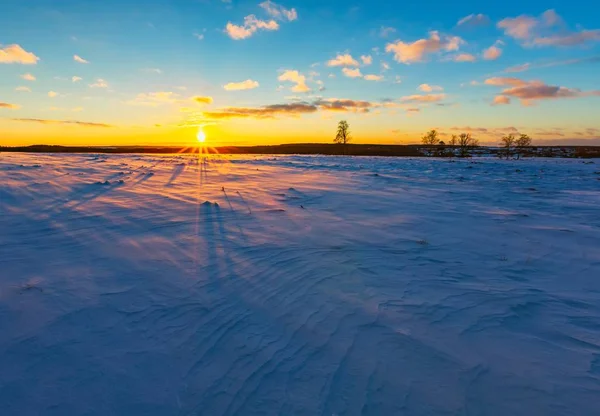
(293, 69)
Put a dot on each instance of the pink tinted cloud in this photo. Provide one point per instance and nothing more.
(518, 68)
(571, 39)
(423, 98)
(502, 81)
(492, 53)
(548, 29)
(341, 104)
(464, 57)
(501, 100)
(520, 27)
(9, 106)
(416, 51)
(530, 91)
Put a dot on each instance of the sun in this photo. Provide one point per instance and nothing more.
(201, 136)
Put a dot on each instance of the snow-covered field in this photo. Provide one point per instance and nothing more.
(161, 285)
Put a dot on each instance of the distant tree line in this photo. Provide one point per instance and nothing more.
(463, 142)
(512, 145)
(515, 145)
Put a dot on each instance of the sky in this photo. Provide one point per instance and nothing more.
(249, 72)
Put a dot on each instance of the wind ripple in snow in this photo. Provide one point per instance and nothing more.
(298, 285)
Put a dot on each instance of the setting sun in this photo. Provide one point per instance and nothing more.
(201, 136)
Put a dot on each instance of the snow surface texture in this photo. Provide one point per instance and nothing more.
(161, 285)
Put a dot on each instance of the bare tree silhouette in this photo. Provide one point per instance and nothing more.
(466, 141)
(430, 138)
(343, 133)
(521, 143)
(508, 142)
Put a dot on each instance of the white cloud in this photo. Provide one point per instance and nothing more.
(76, 79)
(244, 85)
(152, 70)
(385, 66)
(79, 59)
(153, 99)
(100, 83)
(23, 89)
(474, 20)
(15, 54)
(352, 73)
(366, 59)
(279, 12)
(52, 94)
(297, 78)
(28, 77)
(384, 32)
(343, 60)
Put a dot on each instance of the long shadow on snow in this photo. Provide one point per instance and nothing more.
(89, 193)
(177, 170)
